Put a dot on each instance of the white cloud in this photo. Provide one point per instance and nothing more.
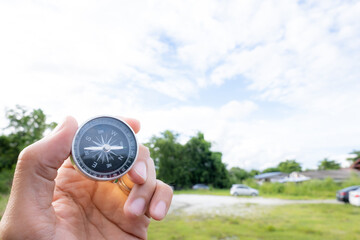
(235, 110)
(188, 120)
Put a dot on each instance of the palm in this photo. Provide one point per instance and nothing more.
(86, 209)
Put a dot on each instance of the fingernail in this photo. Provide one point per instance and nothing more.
(137, 206)
(160, 209)
(140, 169)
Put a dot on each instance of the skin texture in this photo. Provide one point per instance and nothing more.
(51, 200)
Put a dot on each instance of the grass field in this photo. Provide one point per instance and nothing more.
(226, 192)
(305, 221)
(3, 201)
(219, 192)
(312, 221)
(313, 189)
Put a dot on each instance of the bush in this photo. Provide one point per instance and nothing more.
(354, 180)
(313, 188)
(6, 177)
(272, 188)
(251, 182)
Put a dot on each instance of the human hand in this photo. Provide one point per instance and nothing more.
(51, 200)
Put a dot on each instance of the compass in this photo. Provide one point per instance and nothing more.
(104, 148)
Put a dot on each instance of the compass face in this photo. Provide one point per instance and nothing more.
(104, 148)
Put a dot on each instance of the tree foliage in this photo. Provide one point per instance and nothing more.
(271, 169)
(327, 164)
(238, 175)
(188, 164)
(356, 157)
(254, 172)
(168, 156)
(289, 166)
(24, 128)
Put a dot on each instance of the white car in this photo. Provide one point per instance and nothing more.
(354, 198)
(241, 189)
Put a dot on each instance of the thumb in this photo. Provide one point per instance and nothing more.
(37, 167)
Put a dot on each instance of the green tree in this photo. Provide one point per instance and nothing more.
(205, 166)
(167, 153)
(8, 153)
(25, 127)
(271, 169)
(221, 177)
(254, 172)
(327, 164)
(289, 166)
(356, 157)
(185, 165)
(238, 175)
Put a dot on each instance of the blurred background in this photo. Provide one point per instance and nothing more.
(261, 86)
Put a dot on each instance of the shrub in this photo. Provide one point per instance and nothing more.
(313, 188)
(6, 177)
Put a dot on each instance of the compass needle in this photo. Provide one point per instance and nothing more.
(117, 147)
(93, 148)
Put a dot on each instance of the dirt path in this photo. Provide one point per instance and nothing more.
(228, 205)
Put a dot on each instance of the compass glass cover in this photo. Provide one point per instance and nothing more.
(104, 148)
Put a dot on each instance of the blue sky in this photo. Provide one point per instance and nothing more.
(265, 81)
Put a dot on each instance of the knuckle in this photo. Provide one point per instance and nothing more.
(153, 184)
(159, 182)
(29, 154)
(165, 187)
(26, 154)
(145, 152)
(169, 189)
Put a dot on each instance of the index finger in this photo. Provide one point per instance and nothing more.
(134, 123)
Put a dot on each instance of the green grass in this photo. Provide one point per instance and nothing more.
(6, 176)
(313, 189)
(303, 221)
(3, 201)
(297, 197)
(311, 221)
(218, 192)
(226, 192)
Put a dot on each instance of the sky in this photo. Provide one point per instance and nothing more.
(265, 81)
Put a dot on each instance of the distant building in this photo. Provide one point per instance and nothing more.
(356, 165)
(270, 177)
(337, 175)
(295, 177)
